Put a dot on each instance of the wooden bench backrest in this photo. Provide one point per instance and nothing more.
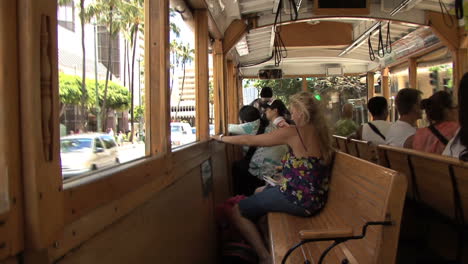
(461, 175)
(398, 161)
(433, 184)
(352, 148)
(341, 143)
(366, 150)
(361, 191)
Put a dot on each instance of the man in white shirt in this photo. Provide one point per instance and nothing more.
(376, 131)
(407, 102)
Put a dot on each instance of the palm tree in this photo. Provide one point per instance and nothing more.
(174, 48)
(82, 121)
(132, 21)
(186, 54)
(105, 12)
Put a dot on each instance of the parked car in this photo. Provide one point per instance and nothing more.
(86, 152)
(181, 134)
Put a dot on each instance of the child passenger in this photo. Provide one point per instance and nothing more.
(276, 113)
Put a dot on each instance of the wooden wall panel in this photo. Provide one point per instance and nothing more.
(325, 33)
(12, 260)
(221, 181)
(174, 226)
(38, 68)
(89, 221)
(11, 228)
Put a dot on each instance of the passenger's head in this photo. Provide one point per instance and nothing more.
(347, 111)
(378, 107)
(306, 109)
(248, 114)
(437, 106)
(408, 101)
(275, 109)
(463, 109)
(266, 94)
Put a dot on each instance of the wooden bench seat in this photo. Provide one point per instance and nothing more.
(360, 192)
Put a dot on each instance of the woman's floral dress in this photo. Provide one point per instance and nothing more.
(305, 181)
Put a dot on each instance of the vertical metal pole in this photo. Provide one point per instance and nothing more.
(98, 112)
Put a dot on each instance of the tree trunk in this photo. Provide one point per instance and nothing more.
(132, 83)
(181, 90)
(83, 82)
(128, 62)
(62, 109)
(109, 65)
(125, 64)
(173, 71)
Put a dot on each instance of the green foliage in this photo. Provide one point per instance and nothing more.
(282, 89)
(349, 87)
(210, 92)
(105, 13)
(118, 97)
(139, 112)
(447, 70)
(69, 89)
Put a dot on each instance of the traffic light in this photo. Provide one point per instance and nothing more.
(318, 97)
(434, 78)
(446, 83)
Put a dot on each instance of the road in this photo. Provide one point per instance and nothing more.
(131, 152)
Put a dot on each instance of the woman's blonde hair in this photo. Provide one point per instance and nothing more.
(312, 112)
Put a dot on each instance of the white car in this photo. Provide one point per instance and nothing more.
(181, 134)
(86, 152)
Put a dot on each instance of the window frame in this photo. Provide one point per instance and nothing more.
(57, 214)
(155, 147)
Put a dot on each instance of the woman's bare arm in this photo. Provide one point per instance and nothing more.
(277, 137)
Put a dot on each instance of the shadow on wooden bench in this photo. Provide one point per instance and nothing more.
(436, 181)
(359, 224)
(358, 148)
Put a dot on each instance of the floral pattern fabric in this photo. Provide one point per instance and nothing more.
(305, 181)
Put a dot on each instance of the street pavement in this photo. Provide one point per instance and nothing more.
(131, 152)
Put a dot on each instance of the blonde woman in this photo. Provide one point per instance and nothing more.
(304, 189)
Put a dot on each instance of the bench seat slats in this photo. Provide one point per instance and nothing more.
(359, 192)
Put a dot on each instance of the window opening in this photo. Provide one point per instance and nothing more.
(107, 108)
(211, 92)
(182, 80)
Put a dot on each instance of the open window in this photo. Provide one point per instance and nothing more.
(101, 85)
(182, 79)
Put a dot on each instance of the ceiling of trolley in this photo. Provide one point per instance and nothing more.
(256, 48)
